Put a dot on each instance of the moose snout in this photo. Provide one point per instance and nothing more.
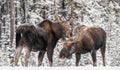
(69, 57)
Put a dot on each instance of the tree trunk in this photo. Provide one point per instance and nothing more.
(63, 7)
(24, 11)
(34, 1)
(71, 4)
(16, 15)
(55, 8)
(63, 4)
(11, 21)
(0, 22)
(0, 33)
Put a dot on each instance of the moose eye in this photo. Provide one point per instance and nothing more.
(62, 53)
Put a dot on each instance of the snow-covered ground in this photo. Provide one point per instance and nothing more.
(61, 68)
(97, 13)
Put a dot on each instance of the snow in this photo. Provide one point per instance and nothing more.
(97, 13)
(61, 68)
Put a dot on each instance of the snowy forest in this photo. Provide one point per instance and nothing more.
(102, 13)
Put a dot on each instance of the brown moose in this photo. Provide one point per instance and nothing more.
(42, 37)
(90, 39)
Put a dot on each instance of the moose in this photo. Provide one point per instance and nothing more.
(30, 37)
(89, 39)
(42, 37)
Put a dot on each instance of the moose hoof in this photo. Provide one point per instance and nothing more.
(94, 64)
(39, 64)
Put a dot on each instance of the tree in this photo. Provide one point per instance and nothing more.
(11, 21)
(0, 24)
(24, 11)
(0, 33)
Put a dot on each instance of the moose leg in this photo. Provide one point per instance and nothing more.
(40, 57)
(27, 55)
(103, 54)
(50, 55)
(17, 54)
(93, 54)
(78, 56)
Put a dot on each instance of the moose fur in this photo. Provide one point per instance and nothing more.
(89, 39)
